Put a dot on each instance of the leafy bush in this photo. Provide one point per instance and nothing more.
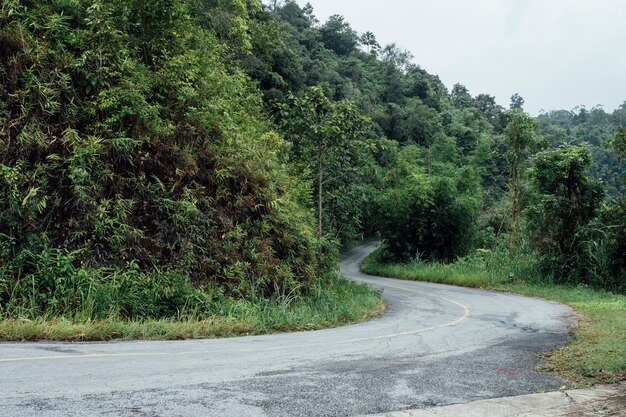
(432, 217)
(562, 203)
(577, 239)
(135, 164)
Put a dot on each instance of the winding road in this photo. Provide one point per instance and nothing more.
(435, 345)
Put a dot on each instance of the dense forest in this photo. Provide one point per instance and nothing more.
(157, 154)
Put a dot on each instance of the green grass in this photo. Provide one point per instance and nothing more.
(596, 352)
(333, 302)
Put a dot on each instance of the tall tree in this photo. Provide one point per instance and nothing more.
(326, 136)
(368, 39)
(400, 58)
(339, 36)
(520, 132)
(460, 96)
(490, 110)
(617, 217)
(517, 102)
(564, 201)
(618, 143)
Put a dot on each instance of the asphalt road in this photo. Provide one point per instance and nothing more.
(435, 345)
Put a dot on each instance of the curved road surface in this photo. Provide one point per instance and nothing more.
(435, 345)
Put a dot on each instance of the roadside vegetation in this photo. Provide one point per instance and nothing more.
(201, 162)
(333, 301)
(597, 351)
(144, 190)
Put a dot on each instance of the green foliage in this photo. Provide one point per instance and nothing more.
(407, 105)
(563, 202)
(605, 240)
(332, 301)
(595, 130)
(428, 216)
(330, 151)
(368, 39)
(618, 143)
(517, 102)
(338, 36)
(50, 282)
(228, 19)
(521, 136)
(521, 133)
(137, 146)
(605, 246)
(136, 165)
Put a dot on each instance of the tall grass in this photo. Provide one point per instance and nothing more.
(482, 268)
(333, 301)
(52, 283)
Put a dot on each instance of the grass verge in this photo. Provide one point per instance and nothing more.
(596, 352)
(334, 302)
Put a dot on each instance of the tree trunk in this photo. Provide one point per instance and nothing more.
(513, 206)
(319, 198)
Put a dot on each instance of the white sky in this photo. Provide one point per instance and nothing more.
(557, 54)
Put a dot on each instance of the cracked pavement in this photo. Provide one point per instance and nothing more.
(600, 401)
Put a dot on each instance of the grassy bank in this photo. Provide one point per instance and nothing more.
(333, 302)
(597, 350)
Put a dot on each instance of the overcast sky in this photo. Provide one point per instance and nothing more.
(557, 54)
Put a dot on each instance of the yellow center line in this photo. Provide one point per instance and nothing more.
(466, 313)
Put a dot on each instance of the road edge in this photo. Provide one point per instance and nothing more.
(605, 400)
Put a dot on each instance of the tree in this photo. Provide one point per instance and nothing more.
(229, 19)
(460, 96)
(618, 143)
(564, 201)
(419, 123)
(401, 59)
(517, 102)
(338, 36)
(520, 132)
(326, 136)
(615, 220)
(275, 5)
(368, 39)
(490, 110)
(300, 17)
(428, 215)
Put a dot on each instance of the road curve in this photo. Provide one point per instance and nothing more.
(436, 345)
